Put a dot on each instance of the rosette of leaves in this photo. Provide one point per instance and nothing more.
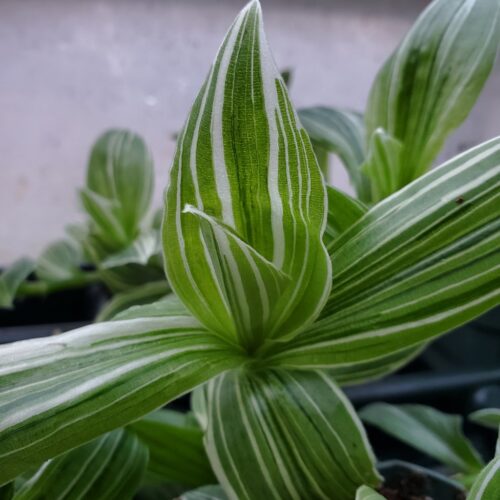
(265, 319)
(422, 93)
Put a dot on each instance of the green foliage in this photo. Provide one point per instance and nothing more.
(11, 279)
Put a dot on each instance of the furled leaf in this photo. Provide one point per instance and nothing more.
(109, 467)
(384, 165)
(143, 294)
(121, 171)
(367, 493)
(246, 165)
(11, 279)
(415, 266)
(489, 417)
(60, 392)
(60, 261)
(487, 484)
(429, 85)
(176, 452)
(428, 430)
(342, 133)
(211, 492)
(343, 212)
(285, 434)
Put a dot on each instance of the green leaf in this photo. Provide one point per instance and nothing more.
(11, 279)
(211, 492)
(384, 165)
(176, 452)
(487, 484)
(60, 392)
(109, 467)
(428, 86)
(428, 430)
(415, 266)
(139, 295)
(139, 252)
(343, 212)
(120, 170)
(246, 165)
(367, 493)
(489, 417)
(285, 434)
(60, 261)
(342, 133)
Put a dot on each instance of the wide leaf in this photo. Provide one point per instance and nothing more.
(245, 165)
(57, 393)
(415, 266)
(489, 417)
(429, 85)
(487, 484)
(428, 430)
(109, 467)
(285, 434)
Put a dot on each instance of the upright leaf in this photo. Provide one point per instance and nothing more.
(428, 430)
(60, 261)
(59, 392)
(415, 266)
(342, 133)
(245, 164)
(429, 85)
(11, 279)
(109, 467)
(487, 484)
(278, 434)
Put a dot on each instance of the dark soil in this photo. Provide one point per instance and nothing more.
(410, 487)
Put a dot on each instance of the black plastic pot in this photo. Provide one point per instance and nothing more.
(60, 311)
(405, 480)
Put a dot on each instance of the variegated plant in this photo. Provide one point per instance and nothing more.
(266, 319)
(423, 92)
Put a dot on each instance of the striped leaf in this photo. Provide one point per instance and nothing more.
(246, 194)
(110, 467)
(415, 266)
(120, 172)
(343, 212)
(428, 430)
(285, 434)
(367, 493)
(60, 261)
(342, 133)
(211, 492)
(429, 85)
(489, 417)
(487, 484)
(11, 279)
(176, 452)
(384, 165)
(60, 392)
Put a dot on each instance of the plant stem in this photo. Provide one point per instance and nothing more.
(37, 288)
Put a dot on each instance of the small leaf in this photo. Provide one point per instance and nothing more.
(384, 165)
(285, 434)
(343, 212)
(211, 492)
(140, 251)
(367, 493)
(110, 467)
(60, 261)
(489, 417)
(428, 86)
(487, 484)
(428, 430)
(176, 452)
(342, 133)
(11, 279)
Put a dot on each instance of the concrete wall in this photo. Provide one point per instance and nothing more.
(70, 69)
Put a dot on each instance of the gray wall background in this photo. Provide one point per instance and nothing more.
(70, 69)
